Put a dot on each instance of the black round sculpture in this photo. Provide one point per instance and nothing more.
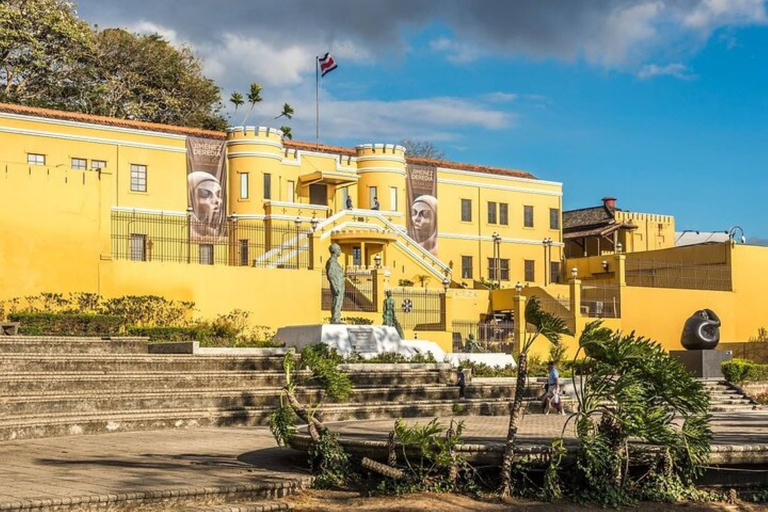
(701, 331)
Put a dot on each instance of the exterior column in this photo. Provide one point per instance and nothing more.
(621, 269)
(575, 297)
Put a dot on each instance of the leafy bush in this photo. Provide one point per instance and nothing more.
(192, 333)
(68, 324)
(737, 370)
(392, 358)
(485, 370)
(762, 398)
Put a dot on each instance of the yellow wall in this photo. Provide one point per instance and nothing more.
(55, 230)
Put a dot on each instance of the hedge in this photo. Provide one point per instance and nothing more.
(737, 370)
(172, 333)
(68, 324)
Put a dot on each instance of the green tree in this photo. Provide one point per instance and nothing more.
(286, 132)
(144, 77)
(628, 387)
(43, 46)
(552, 328)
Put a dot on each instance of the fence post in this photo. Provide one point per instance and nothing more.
(377, 280)
(621, 269)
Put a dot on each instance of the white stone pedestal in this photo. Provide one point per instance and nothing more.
(366, 340)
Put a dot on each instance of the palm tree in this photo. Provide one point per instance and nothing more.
(254, 97)
(236, 99)
(287, 112)
(552, 328)
(286, 132)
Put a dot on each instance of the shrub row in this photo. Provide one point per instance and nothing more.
(72, 324)
(737, 370)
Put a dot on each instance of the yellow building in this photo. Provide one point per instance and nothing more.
(118, 207)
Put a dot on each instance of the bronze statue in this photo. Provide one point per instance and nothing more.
(701, 331)
(336, 278)
(388, 315)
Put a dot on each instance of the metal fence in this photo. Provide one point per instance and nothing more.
(175, 238)
(420, 309)
(669, 274)
(600, 300)
(360, 292)
(485, 336)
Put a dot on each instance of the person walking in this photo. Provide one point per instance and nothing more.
(552, 387)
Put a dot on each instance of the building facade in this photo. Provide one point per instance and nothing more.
(244, 219)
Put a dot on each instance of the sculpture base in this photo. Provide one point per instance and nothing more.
(366, 340)
(703, 364)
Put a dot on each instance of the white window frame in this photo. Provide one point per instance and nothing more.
(244, 185)
(137, 247)
(82, 164)
(35, 159)
(138, 178)
(205, 252)
(393, 199)
(98, 164)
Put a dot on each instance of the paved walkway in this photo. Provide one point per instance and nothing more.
(729, 428)
(143, 462)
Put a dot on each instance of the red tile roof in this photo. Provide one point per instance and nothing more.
(181, 130)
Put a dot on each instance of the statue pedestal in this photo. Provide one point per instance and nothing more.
(366, 340)
(704, 364)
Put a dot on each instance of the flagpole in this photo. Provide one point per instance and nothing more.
(317, 100)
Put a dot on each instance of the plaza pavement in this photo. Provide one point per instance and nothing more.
(181, 461)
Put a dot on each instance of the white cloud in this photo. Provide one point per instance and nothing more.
(710, 14)
(147, 27)
(501, 97)
(357, 121)
(455, 51)
(675, 70)
(623, 31)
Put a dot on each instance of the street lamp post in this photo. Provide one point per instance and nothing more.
(497, 257)
(298, 253)
(547, 243)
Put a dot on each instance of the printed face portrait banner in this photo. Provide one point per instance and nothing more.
(207, 188)
(421, 190)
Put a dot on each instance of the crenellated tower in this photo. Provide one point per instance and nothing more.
(254, 151)
(381, 167)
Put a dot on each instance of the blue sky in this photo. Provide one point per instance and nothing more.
(661, 104)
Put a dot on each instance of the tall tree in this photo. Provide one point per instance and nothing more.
(50, 58)
(551, 328)
(43, 46)
(144, 77)
(422, 149)
(254, 97)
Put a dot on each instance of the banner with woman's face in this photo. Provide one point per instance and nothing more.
(207, 188)
(421, 192)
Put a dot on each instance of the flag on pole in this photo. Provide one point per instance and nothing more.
(327, 64)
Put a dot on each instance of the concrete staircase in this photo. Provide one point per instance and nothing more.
(725, 397)
(70, 386)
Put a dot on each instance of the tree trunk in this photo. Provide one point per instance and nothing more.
(514, 422)
(315, 426)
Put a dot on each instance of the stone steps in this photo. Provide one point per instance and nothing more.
(62, 345)
(15, 363)
(723, 397)
(253, 506)
(48, 403)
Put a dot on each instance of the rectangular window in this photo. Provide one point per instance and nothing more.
(372, 198)
(503, 267)
(504, 214)
(79, 164)
(291, 191)
(244, 253)
(206, 254)
(357, 257)
(138, 247)
(528, 216)
(243, 185)
(98, 164)
(344, 196)
(491, 212)
(393, 199)
(554, 271)
(138, 178)
(267, 186)
(530, 271)
(35, 159)
(466, 210)
(554, 218)
(466, 267)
